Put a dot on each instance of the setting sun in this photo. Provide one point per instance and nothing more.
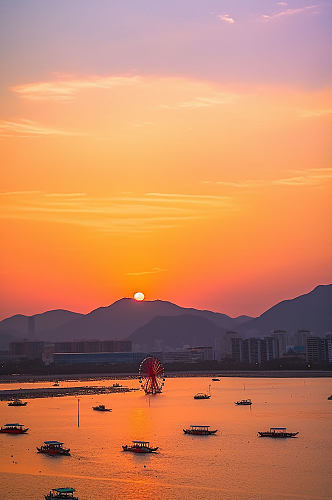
(139, 296)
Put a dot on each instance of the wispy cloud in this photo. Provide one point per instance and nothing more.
(289, 12)
(145, 213)
(64, 195)
(18, 193)
(226, 18)
(29, 128)
(204, 101)
(309, 177)
(66, 89)
(154, 270)
(315, 113)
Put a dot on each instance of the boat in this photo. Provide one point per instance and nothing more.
(140, 447)
(56, 384)
(199, 430)
(330, 397)
(216, 379)
(17, 402)
(243, 402)
(101, 408)
(53, 448)
(116, 385)
(201, 395)
(14, 429)
(63, 493)
(277, 432)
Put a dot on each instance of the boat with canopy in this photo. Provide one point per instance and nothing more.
(277, 432)
(13, 429)
(53, 448)
(63, 493)
(140, 447)
(199, 430)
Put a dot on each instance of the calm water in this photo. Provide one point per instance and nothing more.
(234, 464)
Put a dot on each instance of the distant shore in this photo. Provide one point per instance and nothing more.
(16, 378)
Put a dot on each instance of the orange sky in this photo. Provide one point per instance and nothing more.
(210, 194)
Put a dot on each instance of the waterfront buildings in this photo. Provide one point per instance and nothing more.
(40, 349)
(319, 349)
(254, 350)
(190, 355)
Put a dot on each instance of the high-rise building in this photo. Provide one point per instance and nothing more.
(254, 350)
(329, 347)
(31, 327)
(316, 349)
(27, 349)
(300, 337)
(282, 338)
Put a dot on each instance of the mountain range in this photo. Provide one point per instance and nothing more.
(161, 324)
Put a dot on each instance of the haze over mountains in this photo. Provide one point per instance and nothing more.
(150, 324)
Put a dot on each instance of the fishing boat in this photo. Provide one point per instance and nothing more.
(199, 430)
(101, 408)
(17, 402)
(201, 395)
(216, 379)
(53, 448)
(63, 493)
(243, 402)
(14, 429)
(140, 447)
(277, 432)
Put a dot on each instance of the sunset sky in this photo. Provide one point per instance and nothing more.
(178, 148)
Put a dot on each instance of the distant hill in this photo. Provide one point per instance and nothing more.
(124, 316)
(43, 321)
(239, 320)
(16, 327)
(311, 311)
(171, 332)
(127, 317)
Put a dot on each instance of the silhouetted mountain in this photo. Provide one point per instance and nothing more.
(242, 319)
(311, 311)
(42, 322)
(171, 332)
(6, 336)
(124, 316)
(16, 327)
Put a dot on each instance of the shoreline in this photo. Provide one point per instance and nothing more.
(5, 379)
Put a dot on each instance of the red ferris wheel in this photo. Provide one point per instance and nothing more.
(151, 375)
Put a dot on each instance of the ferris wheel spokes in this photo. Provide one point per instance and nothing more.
(151, 375)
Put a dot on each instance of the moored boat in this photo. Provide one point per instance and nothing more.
(216, 379)
(140, 447)
(201, 395)
(101, 408)
(277, 432)
(17, 402)
(243, 402)
(63, 493)
(199, 430)
(14, 429)
(53, 448)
